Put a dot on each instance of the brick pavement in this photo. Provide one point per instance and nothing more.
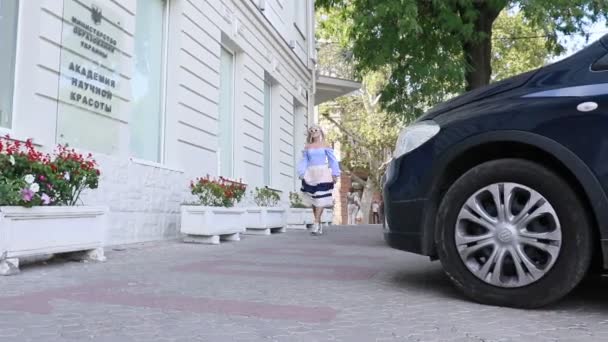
(344, 286)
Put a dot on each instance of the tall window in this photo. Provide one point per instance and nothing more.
(267, 130)
(147, 118)
(8, 42)
(226, 108)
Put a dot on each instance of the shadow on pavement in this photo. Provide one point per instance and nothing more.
(425, 277)
(589, 297)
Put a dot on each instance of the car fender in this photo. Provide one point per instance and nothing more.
(589, 182)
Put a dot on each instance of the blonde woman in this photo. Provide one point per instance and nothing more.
(319, 171)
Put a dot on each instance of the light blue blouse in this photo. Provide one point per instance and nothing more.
(318, 156)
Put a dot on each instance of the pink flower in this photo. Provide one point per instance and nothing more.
(27, 195)
(42, 178)
(46, 200)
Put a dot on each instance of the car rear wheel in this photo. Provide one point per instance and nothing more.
(513, 233)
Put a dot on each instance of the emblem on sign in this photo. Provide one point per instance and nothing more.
(96, 15)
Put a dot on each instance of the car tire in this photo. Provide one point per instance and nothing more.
(575, 249)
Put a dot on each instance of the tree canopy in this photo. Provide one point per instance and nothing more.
(433, 49)
(518, 46)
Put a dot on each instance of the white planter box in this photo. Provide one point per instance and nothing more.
(299, 218)
(26, 232)
(209, 224)
(327, 217)
(266, 220)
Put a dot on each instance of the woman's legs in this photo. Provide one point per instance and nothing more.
(317, 228)
(317, 212)
(315, 221)
(320, 223)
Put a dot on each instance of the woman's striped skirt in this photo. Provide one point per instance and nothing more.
(318, 186)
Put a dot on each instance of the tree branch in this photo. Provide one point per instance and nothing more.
(357, 179)
(344, 130)
(376, 100)
(353, 177)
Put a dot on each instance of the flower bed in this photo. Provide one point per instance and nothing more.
(39, 194)
(213, 217)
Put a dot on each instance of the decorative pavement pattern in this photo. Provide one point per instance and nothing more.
(343, 286)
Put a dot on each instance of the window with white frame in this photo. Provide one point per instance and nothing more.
(147, 117)
(301, 16)
(226, 112)
(8, 45)
(267, 130)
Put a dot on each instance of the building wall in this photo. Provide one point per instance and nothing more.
(143, 196)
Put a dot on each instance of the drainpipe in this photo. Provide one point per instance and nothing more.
(312, 60)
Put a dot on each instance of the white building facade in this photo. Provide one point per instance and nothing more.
(161, 91)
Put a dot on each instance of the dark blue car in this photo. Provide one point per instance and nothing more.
(507, 185)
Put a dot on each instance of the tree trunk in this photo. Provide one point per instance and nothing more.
(366, 200)
(478, 52)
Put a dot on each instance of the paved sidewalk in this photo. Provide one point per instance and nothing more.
(344, 286)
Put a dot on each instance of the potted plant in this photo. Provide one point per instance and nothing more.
(39, 211)
(299, 216)
(213, 216)
(267, 217)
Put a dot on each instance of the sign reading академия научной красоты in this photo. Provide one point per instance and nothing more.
(90, 57)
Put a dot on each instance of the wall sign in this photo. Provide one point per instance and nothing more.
(91, 88)
(90, 57)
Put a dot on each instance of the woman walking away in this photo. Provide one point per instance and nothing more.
(319, 171)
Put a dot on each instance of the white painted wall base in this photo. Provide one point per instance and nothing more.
(26, 232)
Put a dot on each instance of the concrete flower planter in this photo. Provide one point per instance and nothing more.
(27, 232)
(299, 218)
(211, 224)
(327, 217)
(266, 220)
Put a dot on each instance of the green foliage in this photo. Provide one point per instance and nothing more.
(423, 45)
(366, 132)
(219, 192)
(71, 174)
(30, 178)
(266, 197)
(10, 191)
(295, 200)
(515, 56)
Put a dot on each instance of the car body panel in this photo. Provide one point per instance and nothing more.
(542, 112)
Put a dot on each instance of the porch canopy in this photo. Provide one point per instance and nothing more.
(329, 88)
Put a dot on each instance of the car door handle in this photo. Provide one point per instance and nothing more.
(587, 106)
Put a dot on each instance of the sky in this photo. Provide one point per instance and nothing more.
(575, 43)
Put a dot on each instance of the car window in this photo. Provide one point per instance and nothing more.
(601, 64)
